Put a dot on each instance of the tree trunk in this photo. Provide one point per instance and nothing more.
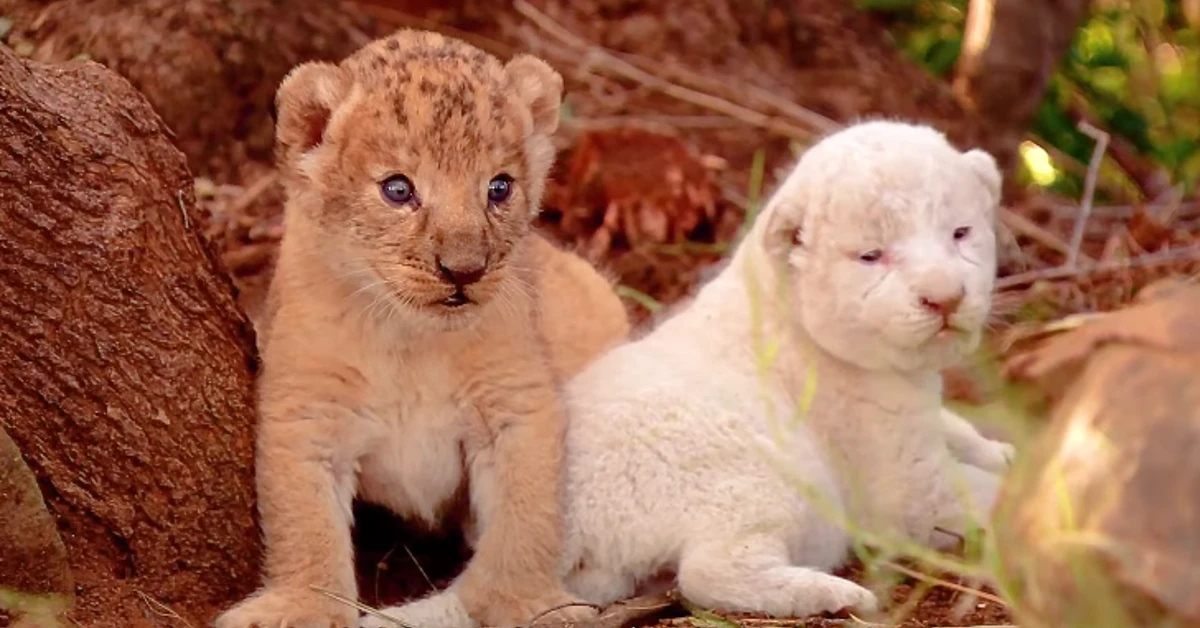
(1010, 50)
(126, 368)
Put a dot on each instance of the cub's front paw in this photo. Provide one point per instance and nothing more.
(440, 610)
(567, 608)
(995, 456)
(847, 595)
(288, 608)
(502, 609)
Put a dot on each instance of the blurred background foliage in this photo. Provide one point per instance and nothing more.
(1133, 69)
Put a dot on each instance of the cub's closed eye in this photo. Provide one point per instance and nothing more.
(961, 233)
(870, 257)
(500, 188)
(397, 190)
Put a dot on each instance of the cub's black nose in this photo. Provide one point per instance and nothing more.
(461, 275)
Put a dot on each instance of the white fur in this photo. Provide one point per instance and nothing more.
(967, 445)
(685, 451)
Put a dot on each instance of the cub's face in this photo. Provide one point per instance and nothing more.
(891, 245)
(429, 159)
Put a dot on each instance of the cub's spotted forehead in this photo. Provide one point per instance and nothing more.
(446, 92)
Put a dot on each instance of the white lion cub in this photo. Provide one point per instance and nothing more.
(869, 271)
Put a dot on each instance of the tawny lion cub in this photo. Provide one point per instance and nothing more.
(418, 329)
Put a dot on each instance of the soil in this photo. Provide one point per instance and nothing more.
(209, 68)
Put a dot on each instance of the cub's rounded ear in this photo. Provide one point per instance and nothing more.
(539, 87)
(304, 102)
(783, 229)
(984, 166)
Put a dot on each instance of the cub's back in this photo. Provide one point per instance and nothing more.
(579, 314)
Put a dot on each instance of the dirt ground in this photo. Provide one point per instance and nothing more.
(653, 178)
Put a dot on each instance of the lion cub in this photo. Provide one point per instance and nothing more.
(801, 386)
(418, 328)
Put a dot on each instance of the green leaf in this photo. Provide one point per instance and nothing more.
(886, 5)
(641, 298)
(703, 618)
(1176, 152)
(940, 59)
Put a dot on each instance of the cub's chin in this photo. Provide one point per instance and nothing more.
(455, 309)
(447, 318)
(949, 346)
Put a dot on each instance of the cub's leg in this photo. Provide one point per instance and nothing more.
(446, 610)
(752, 574)
(305, 488)
(966, 496)
(514, 453)
(600, 586)
(440, 610)
(969, 446)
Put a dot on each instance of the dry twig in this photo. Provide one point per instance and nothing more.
(805, 125)
(251, 194)
(421, 569)
(852, 622)
(360, 606)
(1070, 163)
(940, 582)
(734, 89)
(1072, 267)
(160, 609)
(624, 613)
(1089, 188)
(1026, 227)
(1064, 272)
(663, 123)
(1186, 209)
(597, 57)
(542, 614)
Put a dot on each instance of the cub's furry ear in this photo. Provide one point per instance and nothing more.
(539, 87)
(984, 166)
(305, 101)
(783, 230)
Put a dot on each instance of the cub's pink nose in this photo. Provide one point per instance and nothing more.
(944, 305)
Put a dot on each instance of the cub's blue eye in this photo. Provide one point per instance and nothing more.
(499, 188)
(397, 189)
(872, 256)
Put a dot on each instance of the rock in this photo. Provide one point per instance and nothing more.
(35, 578)
(1099, 524)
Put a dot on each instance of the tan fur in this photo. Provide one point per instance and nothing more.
(372, 385)
(580, 311)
